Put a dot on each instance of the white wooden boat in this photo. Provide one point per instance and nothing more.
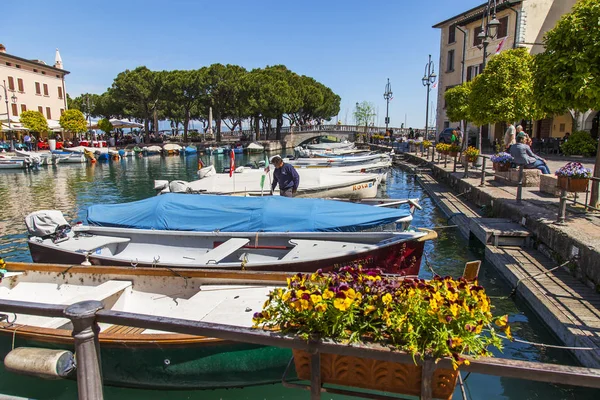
(313, 183)
(395, 252)
(146, 358)
(66, 157)
(171, 148)
(340, 160)
(331, 146)
(10, 163)
(255, 148)
(82, 149)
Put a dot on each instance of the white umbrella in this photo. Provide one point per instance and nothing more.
(14, 126)
(119, 123)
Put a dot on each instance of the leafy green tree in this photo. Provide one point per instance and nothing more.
(579, 143)
(140, 91)
(457, 105)
(364, 113)
(73, 121)
(567, 73)
(183, 92)
(35, 122)
(105, 125)
(221, 89)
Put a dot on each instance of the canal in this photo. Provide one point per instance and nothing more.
(71, 188)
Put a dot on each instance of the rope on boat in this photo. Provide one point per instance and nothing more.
(429, 264)
(551, 346)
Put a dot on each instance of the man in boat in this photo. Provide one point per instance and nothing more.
(286, 176)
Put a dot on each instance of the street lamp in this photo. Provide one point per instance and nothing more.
(489, 29)
(89, 105)
(428, 80)
(387, 95)
(14, 100)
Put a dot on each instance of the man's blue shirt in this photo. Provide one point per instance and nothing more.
(287, 177)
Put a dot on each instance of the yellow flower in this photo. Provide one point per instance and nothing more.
(286, 296)
(369, 309)
(433, 304)
(328, 294)
(465, 305)
(315, 298)
(502, 321)
(454, 309)
(478, 329)
(507, 332)
(350, 293)
(321, 307)
(456, 341)
(387, 299)
(438, 297)
(342, 304)
(452, 296)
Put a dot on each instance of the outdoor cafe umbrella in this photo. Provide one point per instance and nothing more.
(120, 123)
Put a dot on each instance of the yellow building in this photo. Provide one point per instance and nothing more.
(522, 23)
(32, 85)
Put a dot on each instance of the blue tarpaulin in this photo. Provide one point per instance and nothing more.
(188, 212)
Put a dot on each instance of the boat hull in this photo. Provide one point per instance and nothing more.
(12, 164)
(402, 258)
(167, 361)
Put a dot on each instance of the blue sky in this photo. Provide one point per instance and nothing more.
(351, 46)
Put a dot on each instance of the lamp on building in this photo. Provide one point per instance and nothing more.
(387, 95)
(13, 98)
(489, 28)
(428, 80)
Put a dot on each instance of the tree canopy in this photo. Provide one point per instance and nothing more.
(105, 125)
(73, 121)
(34, 121)
(457, 102)
(263, 95)
(504, 91)
(364, 113)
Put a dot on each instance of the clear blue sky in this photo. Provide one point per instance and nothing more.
(351, 46)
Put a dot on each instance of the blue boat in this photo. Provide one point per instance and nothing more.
(184, 212)
(190, 150)
(103, 157)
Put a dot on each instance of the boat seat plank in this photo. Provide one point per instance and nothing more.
(315, 249)
(123, 330)
(91, 243)
(223, 250)
(100, 293)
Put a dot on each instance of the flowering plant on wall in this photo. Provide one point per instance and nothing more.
(443, 317)
(502, 158)
(574, 170)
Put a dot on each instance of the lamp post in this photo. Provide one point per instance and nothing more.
(89, 104)
(428, 80)
(489, 29)
(387, 95)
(14, 100)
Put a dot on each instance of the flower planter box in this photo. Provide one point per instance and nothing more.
(376, 375)
(576, 185)
(453, 153)
(501, 167)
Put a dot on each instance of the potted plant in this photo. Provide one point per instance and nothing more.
(573, 177)
(360, 305)
(442, 148)
(471, 154)
(426, 144)
(453, 149)
(502, 161)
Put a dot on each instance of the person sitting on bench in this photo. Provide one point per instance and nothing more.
(524, 156)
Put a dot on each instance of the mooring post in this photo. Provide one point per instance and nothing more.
(483, 173)
(315, 376)
(427, 370)
(562, 207)
(520, 185)
(454, 169)
(466, 175)
(432, 153)
(445, 160)
(87, 348)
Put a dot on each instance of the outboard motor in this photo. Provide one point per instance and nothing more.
(48, 224)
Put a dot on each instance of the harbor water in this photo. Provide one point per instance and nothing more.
(71, 188)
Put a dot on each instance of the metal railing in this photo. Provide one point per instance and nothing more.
(86, 315)
(562, 208)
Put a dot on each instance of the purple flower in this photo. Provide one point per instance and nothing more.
(574, 170)
(502, 158)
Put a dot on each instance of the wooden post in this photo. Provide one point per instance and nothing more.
(520, 185)
(315, 376)
(87, 348)
(454, 169)
(426, 379)
(562, 207)
(483, 173)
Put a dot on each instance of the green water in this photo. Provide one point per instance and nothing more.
(72, 188)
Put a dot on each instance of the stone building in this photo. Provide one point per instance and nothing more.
(523, 23)
(32, 85)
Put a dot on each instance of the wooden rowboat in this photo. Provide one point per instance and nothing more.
(135, 357)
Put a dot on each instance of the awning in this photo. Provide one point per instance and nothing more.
(121, 123)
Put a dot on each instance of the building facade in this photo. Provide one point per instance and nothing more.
(32, 85)
(523, 23)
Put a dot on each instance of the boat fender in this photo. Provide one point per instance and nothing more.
(160, 184)
(42, 363)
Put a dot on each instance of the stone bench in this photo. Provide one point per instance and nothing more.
(549, 184)
(531, 177)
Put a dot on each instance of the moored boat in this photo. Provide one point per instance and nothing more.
(68, 157)
(52, 241)
(190, 150)
(255, 148)
(152, 150)
(10, 163)
(171, 148)
(136, 357)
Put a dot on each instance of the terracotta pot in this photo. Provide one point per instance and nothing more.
(376, 375)
(501, 167)
(574, 184)
(453, 153)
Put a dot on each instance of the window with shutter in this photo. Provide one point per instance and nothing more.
(23, 107)
(20, 85)
(45, 89)
(476, 40)
(59, 92)
(41, 110)
(469, 73)
(11, 83)
(48, 115)
(15, 112)
(503, 28)
(38, 90)
(450, 63)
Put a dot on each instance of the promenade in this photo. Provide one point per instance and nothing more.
(526, 245)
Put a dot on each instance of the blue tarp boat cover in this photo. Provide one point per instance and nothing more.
(188, 212)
